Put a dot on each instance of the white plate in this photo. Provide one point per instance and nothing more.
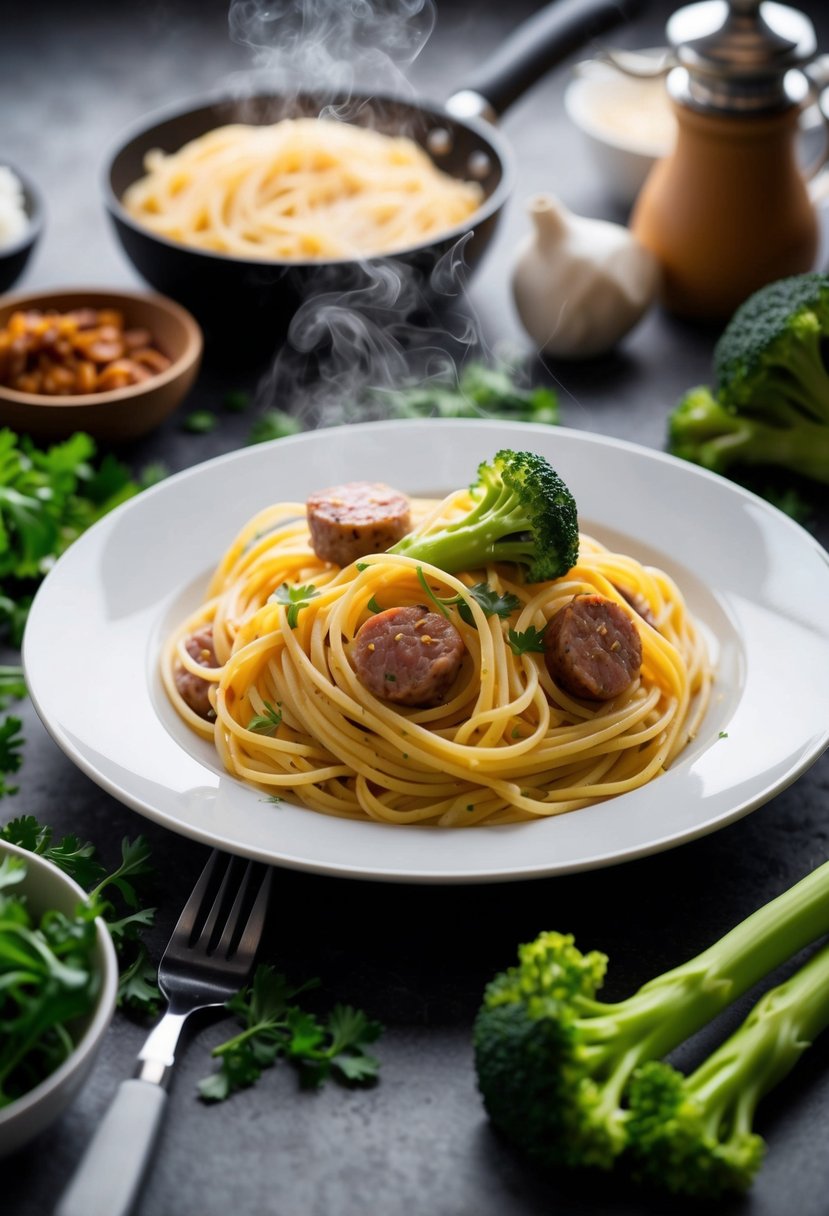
(758, 583)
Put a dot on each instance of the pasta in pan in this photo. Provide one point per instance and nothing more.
(301, 189)
(290, 713)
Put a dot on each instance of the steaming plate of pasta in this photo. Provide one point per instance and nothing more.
(438, 651)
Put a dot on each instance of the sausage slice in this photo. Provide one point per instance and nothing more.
(359, 517)
(192, 688)
(638, 603)
(592, 648)
(408, 655)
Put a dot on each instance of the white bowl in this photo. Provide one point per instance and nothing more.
(627, 122)
(46, 887)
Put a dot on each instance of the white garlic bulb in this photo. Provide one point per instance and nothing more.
(579, 284)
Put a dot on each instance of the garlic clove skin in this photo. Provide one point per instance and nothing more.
(579, 284)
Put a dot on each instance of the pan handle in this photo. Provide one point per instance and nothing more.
(531, 50)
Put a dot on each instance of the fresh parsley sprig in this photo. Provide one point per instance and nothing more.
(138, 986)
(48, 497)
(488, 599)
(530, 640)
(296, 598)
(273, 1026)
(269, 722)
(12, 685)
(11, 757)
(48, 980)
(69, 854)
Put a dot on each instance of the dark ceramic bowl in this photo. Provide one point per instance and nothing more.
(13, 258)
(241, 301)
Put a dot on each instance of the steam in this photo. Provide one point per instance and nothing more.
(333, 46)
(372, 328)
(369, 327)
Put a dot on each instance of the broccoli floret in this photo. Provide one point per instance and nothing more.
(523, 513)
(769, 359)
(555, 1064)
(694, 1134)
(770, 404)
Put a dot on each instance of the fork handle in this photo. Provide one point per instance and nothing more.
(107, 1180)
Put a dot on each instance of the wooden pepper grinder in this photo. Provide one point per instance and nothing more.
(729, 210)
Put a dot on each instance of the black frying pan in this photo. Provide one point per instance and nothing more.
(256, 299)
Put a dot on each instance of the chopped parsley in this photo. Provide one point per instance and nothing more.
(296, 598)
(487, 598)
(273, 424)
(200, 422)
(531, 639)
(373, 606)
(492, 604)
(268, 722)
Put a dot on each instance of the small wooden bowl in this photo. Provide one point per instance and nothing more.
(123, 413)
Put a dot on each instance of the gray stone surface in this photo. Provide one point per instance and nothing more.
(71, 77)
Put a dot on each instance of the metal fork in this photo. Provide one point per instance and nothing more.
(208, 958)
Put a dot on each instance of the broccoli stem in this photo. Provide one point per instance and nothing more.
(480, 535)
(672, 1007)
(803, 448)
(783, 1023)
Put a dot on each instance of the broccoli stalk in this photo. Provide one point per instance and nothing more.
(704, 431)
(554, 1064)
(770, 404)
(523, 513)
(694, 1134)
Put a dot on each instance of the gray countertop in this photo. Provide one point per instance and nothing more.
(71, 78)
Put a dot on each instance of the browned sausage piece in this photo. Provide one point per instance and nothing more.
(638, 603)
(592, 648)
(351, 520)
(408, 655)
(192, 688)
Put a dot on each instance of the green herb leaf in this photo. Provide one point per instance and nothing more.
(138, 986)
(11, 743)
(523, 643)
(439, 603)
(490, 602)
(12, 685)
(138, 990)
(48, 980)
(267, 723)
(200, 422)
(487, 597)
(237, 401)
(48, 497)
(480, 391)
(373, 606)
(296, 598)
(273, 424)
(273, 1025)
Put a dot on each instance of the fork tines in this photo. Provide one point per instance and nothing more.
(225, 913)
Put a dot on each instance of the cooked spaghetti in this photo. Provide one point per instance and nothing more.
(302, 189)
(507, 743)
